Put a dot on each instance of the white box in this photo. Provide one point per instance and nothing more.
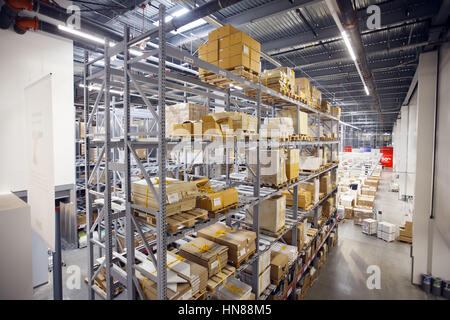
(263, 278)
(310, 163)
(15, 247)
(369, 226)
(263, 262)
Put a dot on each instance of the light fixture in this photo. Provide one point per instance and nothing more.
(81, 34)
(192, 25)
(366, 89)
(348, 44)
(97, 88)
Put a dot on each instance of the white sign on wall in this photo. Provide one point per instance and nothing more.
(41, 186)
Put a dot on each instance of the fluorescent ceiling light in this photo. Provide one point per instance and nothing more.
(81, 34)
(97, 88)
(180, 12)
(349, 46)
(366, 89)
(192, 25)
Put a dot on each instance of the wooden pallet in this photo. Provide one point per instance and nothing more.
(224, 82)
(184, 219)
(276, 186)
(274, 234)
(218, 279)
(244, 259)
(199, 296)
(293, 180)
(216, 213)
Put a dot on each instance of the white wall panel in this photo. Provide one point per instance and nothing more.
(23, 60)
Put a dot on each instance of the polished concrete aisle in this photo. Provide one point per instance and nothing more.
(344, 275)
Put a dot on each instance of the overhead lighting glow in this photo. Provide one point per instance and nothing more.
(349, 46)
(97, 88)
(366, 89)
(192, 25)
(81, 34)
(180, 12)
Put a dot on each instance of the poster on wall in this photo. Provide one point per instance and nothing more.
(41, 184)
(387, 156)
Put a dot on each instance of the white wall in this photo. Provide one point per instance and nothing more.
(440, 264)
(24, 59)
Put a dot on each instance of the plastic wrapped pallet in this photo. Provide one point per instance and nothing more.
(263, 278)
(290, 251)
(281, 127)
(181, 195)
(233, 289)
(359, 214)
(304, 198)
(272, 214)
(291, 112)
(304, 88)
(369, 226)
(387, 231)
(310, 163)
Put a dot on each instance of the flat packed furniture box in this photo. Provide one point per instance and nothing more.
(15, 247)
(241, 243)
(206, 253)
(218, 200)
(304, 197)
(181, 195)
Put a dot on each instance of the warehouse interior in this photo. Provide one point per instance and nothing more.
(225, 150)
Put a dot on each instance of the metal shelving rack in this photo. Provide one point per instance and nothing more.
(116, 213)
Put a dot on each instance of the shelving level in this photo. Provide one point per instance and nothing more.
(130, 80)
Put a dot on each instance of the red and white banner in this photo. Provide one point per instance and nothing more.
(387, 156)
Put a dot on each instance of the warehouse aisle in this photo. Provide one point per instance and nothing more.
(344, 274)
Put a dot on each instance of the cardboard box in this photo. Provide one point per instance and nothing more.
(304, 86)
(233, 289)
(278, 266)
(224, 42)
(272, 166)
(239, 242)
(263, 278)
(365, 201)
(348, 212)
(222, 32)
(206, 253)
(310, 163)
(218, 200)
(292, 163)
(370, 226)
(325, 183)
(272, 213)
(290, 251)
(303, 199)
(287, 237)
(291, 112)
(359, 214)
(180, 195)
(336, 112)
(182, 112)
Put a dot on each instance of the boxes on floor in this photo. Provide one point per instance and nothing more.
(365, 201)
(369, 226)
(348, 212)
(206, 253)
(368, 191)
(359, 214)
(241, 243)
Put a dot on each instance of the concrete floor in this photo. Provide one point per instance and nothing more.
(344, 274)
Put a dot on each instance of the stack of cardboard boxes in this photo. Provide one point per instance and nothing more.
(184, 112)
(272, 166)
(387, 231)
(304, 89)
(229, 48)
(406, 232)
(264, 271)
(240, 243)
(291, 112)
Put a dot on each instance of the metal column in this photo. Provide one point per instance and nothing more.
(129, 227)
(87, 172)
(256, 194)
(161, 242)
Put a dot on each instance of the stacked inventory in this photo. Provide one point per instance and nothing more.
(209, 236)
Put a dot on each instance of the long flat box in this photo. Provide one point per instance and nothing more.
(278, 265)
(239, 242)
(222, 32)
(206, 253)
(218, 200)
(234, 289)
(181, 195)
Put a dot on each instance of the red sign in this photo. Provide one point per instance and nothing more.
(387, 156)
(347, 148)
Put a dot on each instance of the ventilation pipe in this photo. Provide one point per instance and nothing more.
(9, 14)
(348, 22)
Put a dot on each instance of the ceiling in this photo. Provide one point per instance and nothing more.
(309, 41)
